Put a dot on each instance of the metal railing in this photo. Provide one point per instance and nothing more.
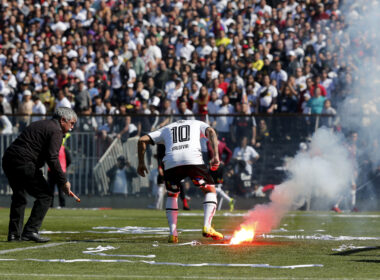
(92, 156)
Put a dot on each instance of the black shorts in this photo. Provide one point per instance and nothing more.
(198, 174)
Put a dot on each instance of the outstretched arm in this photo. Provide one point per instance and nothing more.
(211, 135)
(141, 148)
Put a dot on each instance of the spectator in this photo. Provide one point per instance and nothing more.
(64, 157)
(98, 108)
(6, 107)
(244, 125)
(245, 155)
(316, 102)
(267, 94)
(121, 176)
(25, 108)
(38, 109)
(332, 121)
(5, 125)
(83, 99)
(62, 100)
(200, 106)
(280, 76)
(223, 123)
(184, 112)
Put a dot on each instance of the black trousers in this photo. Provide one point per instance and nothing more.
(26, 179)
(61, 195)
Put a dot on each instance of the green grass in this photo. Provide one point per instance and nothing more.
(279, 251)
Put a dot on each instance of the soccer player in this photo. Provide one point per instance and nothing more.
(183, 158)
(226, 154)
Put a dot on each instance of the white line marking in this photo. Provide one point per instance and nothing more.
(253, 265)
(325, 237)
(34, 247)
(78, 276)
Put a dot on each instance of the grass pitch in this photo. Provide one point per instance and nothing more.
(302, 238)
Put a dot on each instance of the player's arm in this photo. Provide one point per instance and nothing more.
(141, 148)
(211, 135)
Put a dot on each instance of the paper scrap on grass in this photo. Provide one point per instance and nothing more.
(345, 247)
(97, 252)
(137, 230)
(56, 232)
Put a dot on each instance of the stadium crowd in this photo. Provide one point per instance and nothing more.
(151, 57)
(158, 58)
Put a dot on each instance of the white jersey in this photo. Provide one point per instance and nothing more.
(182, 142)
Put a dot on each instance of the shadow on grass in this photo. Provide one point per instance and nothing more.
(368, 261)
(353, 251)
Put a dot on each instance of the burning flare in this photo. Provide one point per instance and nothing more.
(246, 233)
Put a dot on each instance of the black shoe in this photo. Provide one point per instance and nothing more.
(33, 236)
(13, 238)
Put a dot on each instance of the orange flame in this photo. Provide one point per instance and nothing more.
(246, 233)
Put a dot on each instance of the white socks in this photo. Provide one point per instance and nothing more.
(222, 193)
(209, 207)
(160, 196)
(172, 213)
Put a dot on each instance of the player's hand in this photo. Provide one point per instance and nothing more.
(142, 170)
(214, 163)
(66, 188)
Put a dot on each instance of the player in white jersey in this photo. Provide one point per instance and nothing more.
(183, 158)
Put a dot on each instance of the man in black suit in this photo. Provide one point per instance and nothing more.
(38, 144)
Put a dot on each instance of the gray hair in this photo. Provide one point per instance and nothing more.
(66, 113)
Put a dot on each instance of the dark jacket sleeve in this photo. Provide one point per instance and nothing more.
(52, 158)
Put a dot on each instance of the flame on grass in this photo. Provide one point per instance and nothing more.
(246, 233)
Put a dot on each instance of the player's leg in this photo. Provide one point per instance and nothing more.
(217, 176)
(160, 196)
(160, 192)
(223, 194)
(201, 178)
(172, 179)
(353, 196)
(171, 215)
(183, 196)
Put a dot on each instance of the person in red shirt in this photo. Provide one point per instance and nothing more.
(225, 155)
(316, 83)
(64, 157)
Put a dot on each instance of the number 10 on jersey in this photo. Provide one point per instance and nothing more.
(181, 133)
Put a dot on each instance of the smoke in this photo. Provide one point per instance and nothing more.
(324, 172)
(360, 109)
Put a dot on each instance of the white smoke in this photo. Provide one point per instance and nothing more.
(324, 172)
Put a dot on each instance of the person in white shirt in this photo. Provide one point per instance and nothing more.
(5, 125)
(187, 49)
(267, 94)
(7, 108)
(38, 109)
(223, 123)
(247, 154)
(62, 100)
(213, 106)
(280, 76)
(204, 49)
(183, 158)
